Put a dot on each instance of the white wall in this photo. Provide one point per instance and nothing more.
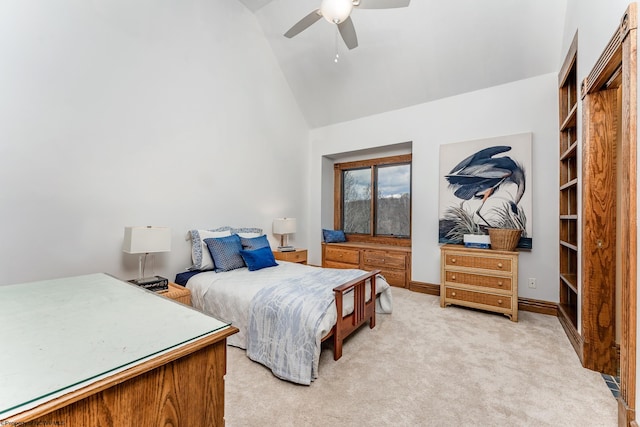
(524, 106)
(116, 113)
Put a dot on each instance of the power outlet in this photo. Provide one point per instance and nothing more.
(532, 282)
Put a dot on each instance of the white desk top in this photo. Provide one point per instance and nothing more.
(60, 335)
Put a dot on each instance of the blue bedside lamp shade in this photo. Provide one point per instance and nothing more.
(146, 240)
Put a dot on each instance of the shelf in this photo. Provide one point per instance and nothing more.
(570, 121)
(572, 183)
(569, 245)
(571, 152)
(568, 261)
(571, 280)
(570, 217)
(569, 312)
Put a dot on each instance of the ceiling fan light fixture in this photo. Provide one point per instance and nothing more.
(336, 11)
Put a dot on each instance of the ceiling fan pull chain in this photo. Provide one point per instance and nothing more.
(337, 43)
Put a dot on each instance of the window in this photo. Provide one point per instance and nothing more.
(373, 199)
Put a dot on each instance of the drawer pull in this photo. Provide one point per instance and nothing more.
(453, 294)
(500, 301)
(453, 277)
(499, 265)
(500, 283)
(453, 260)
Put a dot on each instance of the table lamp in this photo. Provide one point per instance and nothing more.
(143, 241)
(284, 227)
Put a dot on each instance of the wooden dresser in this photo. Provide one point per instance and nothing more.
(394, 262)
(480, 278)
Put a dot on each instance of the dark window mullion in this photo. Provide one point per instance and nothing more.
(342, 215)
(374, 192)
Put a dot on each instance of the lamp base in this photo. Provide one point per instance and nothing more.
(153, 283)
(286, 249)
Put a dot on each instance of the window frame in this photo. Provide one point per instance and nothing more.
(338, 169)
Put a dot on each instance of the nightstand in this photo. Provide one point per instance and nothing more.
(177, 293)
(299, 256)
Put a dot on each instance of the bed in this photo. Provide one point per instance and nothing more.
(284, 310)
(267, 303)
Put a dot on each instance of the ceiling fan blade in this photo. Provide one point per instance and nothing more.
(303, 24)
(381, 4)
(348, 33)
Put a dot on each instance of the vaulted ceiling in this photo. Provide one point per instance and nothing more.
(429, 50)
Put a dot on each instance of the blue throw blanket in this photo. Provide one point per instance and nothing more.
(284, 321)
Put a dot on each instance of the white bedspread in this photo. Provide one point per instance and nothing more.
(228, 296)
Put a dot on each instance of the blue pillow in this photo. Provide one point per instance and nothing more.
(258, 258)
(251, 243)
(333, 236)
(225, 252)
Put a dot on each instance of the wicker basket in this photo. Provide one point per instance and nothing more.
(504, 239)
(178, 293)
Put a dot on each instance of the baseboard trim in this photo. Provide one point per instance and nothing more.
(524, 304)
(538, 306)
(626, 415)
(425, 288)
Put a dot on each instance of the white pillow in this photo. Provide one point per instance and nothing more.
(249, 235)
(199, 252)
(247, 232)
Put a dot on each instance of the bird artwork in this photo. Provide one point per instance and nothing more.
(480, 177)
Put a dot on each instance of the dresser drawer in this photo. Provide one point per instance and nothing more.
(481, 262)
(344, 255)
(383, 259)
(492, 282)
(297, 256)
(393, 277)
(335, 264)
(460, 296)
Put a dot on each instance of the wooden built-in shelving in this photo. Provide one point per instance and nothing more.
(569, 286)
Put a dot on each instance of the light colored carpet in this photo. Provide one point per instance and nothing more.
(428, 366)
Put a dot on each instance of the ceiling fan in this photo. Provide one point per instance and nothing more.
(338, 12)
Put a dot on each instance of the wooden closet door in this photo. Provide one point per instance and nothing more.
(600, 115)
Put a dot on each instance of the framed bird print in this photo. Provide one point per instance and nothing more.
(485, 184)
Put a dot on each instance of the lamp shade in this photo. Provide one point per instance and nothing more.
(142, 240)
(284, 225)
(336, 11)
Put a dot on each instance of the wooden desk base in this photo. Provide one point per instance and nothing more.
(184, 387)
